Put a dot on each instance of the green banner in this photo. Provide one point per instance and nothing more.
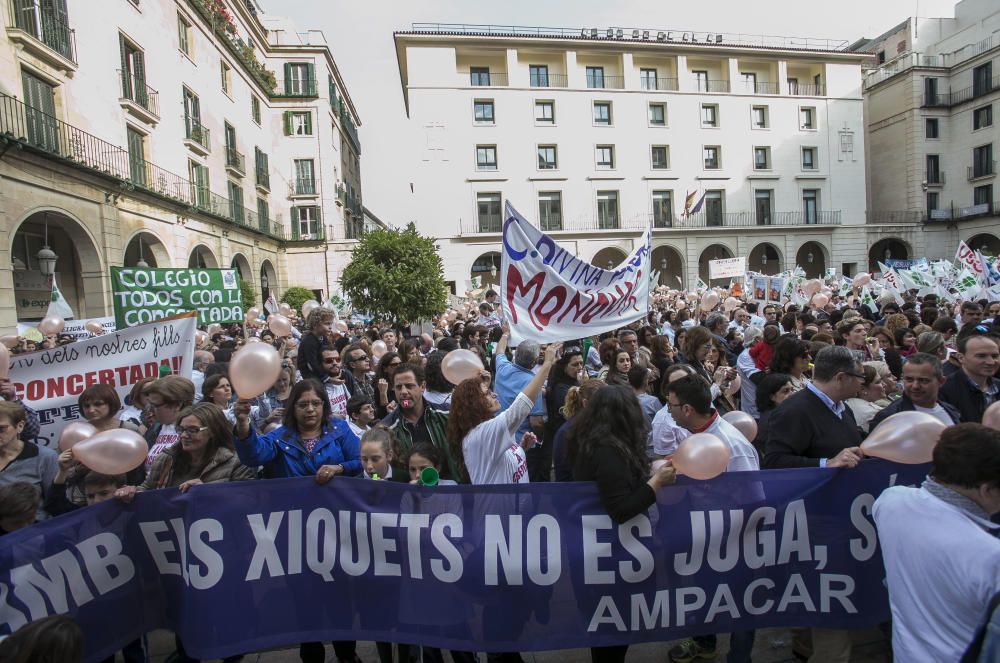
(145, 294)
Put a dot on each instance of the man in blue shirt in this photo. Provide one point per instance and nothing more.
(511, 379)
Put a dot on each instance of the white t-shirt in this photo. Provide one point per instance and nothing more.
(359, 431)
(942, 567)
(936, 411)
(166, 437)
(666, 434)
(338, 395)
(492, 455)
(742, 455)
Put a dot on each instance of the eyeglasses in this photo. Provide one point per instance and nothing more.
(670, 405)
(157, 406)
(194, 430)
(309, 405)
(359, 358)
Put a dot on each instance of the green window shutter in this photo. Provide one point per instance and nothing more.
(288, 78)
(310, 78)
(294, 222)
(124, 55)
(309, 123)
(139, 66)
(287, 122)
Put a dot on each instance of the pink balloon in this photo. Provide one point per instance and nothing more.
(10, 341)
(702, 456)
(253, 369)
(114, 451)
(51, 324)
(284, 309)
(378, 349)
(730, 304)
(94, 327)
(200, 337)
(742, 422)
(709, 301)
(991, 418)
(821, 300)
(75, 432)
(252, 314)
(253, 339)
(308, 306)
(213, 329)
(279, 325)
(905, 437)
(812, 287)
(460, 365)
(861, 280)
(681, 305)
(4, 362)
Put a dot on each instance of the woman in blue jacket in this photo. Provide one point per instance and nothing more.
(309, 444)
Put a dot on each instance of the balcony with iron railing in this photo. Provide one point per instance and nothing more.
(52, 138)
(492, 224)
(197, 136)
(934, 178)
(714, 86)
(954, 98)
(315, 233)
(658, 84)
(296, 88)
(760, 87)
(263, 178)
(138, 98)
(605, 82)
(352, 130)
(235, 162)
(354, 228)
(42, 30)
(485, 79)
(981, 170)
(302, 186)
(548, 80)
(805, 89)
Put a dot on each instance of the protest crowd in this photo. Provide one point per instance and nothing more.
(801, 382)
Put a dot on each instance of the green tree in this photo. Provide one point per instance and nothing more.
(296, 295)
(249, 295)
(396, 275)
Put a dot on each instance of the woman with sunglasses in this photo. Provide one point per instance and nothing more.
(309, 444)
(165, 398)
(386, 368)
(791, 357)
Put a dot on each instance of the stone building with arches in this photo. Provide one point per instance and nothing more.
(109, 162)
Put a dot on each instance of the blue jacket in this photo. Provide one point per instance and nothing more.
(282, 454)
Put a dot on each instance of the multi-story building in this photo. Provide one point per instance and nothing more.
(170, 133)
(594, 134)
(930, 97)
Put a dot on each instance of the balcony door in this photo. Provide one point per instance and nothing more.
(136, 157)
(133, 73)
(40, 112)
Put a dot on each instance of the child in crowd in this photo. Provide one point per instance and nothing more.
(101, 487)
(423, 455)
(377, 455)
(19, 502)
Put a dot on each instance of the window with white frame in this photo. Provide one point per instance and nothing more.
(547, 157)
(545, 112)
(659, 157)
(762, 158)
(657, 115)
(809, 158)
(605, 155)
(602, 113)
(807, 118)
(486, 157)
(759, 117)
(710, 115)
(482, 111)
(550, 210)
(712, 157)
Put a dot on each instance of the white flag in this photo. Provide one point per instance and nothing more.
(58, 304)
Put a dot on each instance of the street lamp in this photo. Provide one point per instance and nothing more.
(140, 262)
(663, 265)
(493, 269)
(763, 258)
(46, 257)
(810, 257)
(888, 253)
(611, 265)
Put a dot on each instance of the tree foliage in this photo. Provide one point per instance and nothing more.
(296, 295)
(396, 275)
(249, 294)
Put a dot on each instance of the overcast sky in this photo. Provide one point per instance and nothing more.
(360, 36)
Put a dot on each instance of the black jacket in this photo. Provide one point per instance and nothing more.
(802, 430)
(624, 495)
(967, 398)
(310, 357)
(904, 404)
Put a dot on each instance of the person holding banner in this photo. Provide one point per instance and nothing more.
(607, 445)
(32, 427)
(24, 461)
(166, 397)
(309, 443)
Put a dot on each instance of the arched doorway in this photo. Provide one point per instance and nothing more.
(889, 248)
(145, 250)
(668, 262)
(202, 258)
(268, 280)
(765, 259)
(486, 271)
(242, 267)
(812, 259)
(713, 252)
(608, 258)
(77, 266)
(985, 243)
